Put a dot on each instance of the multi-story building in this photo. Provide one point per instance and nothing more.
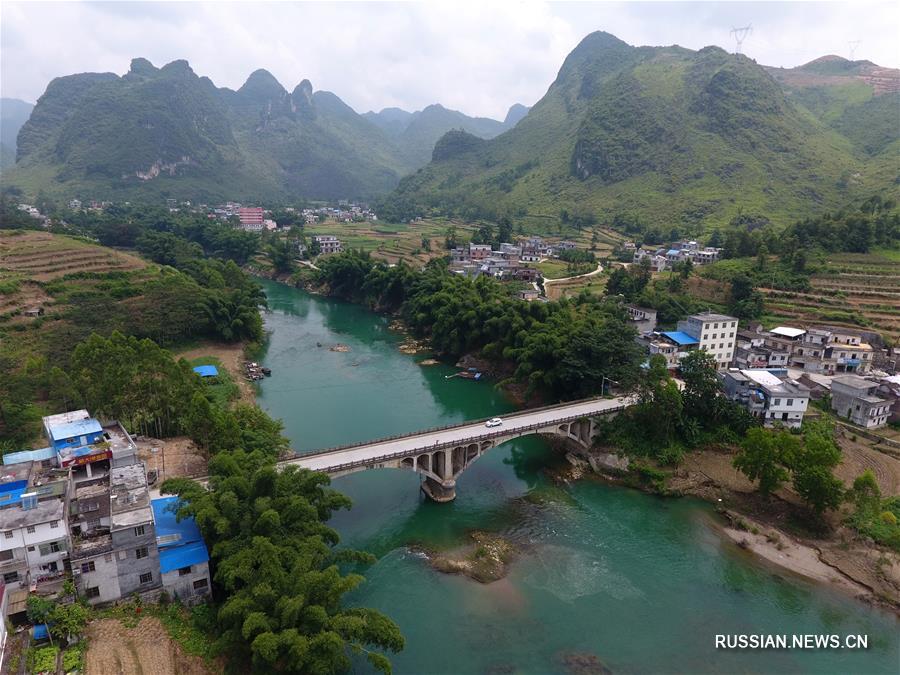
(328, 243)
(768, 394)
(35, 542)
(857, 399)
(251, 218)
(715, 334)
(752, 350)
(132, 530)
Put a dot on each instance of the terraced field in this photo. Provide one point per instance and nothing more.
(30, 259)
(852, 290)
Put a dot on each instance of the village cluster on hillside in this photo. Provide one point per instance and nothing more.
(774, 373)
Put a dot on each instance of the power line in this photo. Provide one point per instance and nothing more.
(740, 34)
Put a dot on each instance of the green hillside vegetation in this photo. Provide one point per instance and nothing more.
(84, 288)
(167, 132)
(666, 135)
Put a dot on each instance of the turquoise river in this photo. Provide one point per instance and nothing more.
(605, 575)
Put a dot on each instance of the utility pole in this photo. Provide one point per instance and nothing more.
(740, 34)
(853, 45)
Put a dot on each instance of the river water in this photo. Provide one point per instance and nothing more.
(605, 575)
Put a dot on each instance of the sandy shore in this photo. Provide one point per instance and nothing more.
(783, 550)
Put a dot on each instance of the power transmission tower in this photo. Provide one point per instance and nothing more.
(853, 45)
(740, 34)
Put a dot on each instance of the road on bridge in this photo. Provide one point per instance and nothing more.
(442, 437)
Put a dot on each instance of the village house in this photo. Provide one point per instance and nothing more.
(857, 400)
(767, 394)
(829, 350)
(643, 319)
(328, 243)
(183, 558)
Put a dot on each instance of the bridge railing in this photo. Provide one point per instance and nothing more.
(452, 444)
(397, 437)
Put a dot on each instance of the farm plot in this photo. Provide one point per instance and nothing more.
(42, 257)
(852, 290)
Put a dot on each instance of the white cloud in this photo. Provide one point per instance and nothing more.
(475, 57)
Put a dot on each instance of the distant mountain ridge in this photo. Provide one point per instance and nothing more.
(669, 136)
(679, 139)
(417, 132)
(167, 131)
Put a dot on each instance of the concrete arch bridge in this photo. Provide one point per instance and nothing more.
(442, 454)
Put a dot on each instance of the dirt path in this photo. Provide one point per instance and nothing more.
(145, 649)
(232, 358)
(553, 288)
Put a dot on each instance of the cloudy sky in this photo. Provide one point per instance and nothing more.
(478, 57)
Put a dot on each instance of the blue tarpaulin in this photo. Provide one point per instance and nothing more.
(680, 337)
(207, 371)
(40, 632)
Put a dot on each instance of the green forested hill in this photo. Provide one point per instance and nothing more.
(666, 135)
(167, 132)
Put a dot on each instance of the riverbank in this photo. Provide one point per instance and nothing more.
(776, 529)
(232, 357)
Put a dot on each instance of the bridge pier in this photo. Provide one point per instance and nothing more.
(440, 492)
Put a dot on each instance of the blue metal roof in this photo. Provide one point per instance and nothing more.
(73, 429)
(167, 525)
(180, 543)
(207, 371)
(680, 337)
(175, 557)
(673, 251)
(12, 496)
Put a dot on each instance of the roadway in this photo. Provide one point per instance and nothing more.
(512, 423)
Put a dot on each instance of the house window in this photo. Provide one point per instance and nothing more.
(92, 592)
(52, 547)
(139, 531)
(777, 401)
(10, 577)
(141, 552)
(184, 571)
(790, 402)
(6, 555)
(146, 577)
(200, 584)
(8, 534)
(30, 529)
(54, 524)
(108, 557)
(88, 567)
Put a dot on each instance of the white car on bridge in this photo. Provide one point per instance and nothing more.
(493, 422)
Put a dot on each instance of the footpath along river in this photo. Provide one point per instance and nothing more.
(605, 574)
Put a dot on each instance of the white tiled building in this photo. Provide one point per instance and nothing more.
(716, 334)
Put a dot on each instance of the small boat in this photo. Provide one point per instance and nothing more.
(266, 371)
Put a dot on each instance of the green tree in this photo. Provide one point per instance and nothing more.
(865, 495)
(67, 621)
(276, 562)
(762, 457)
